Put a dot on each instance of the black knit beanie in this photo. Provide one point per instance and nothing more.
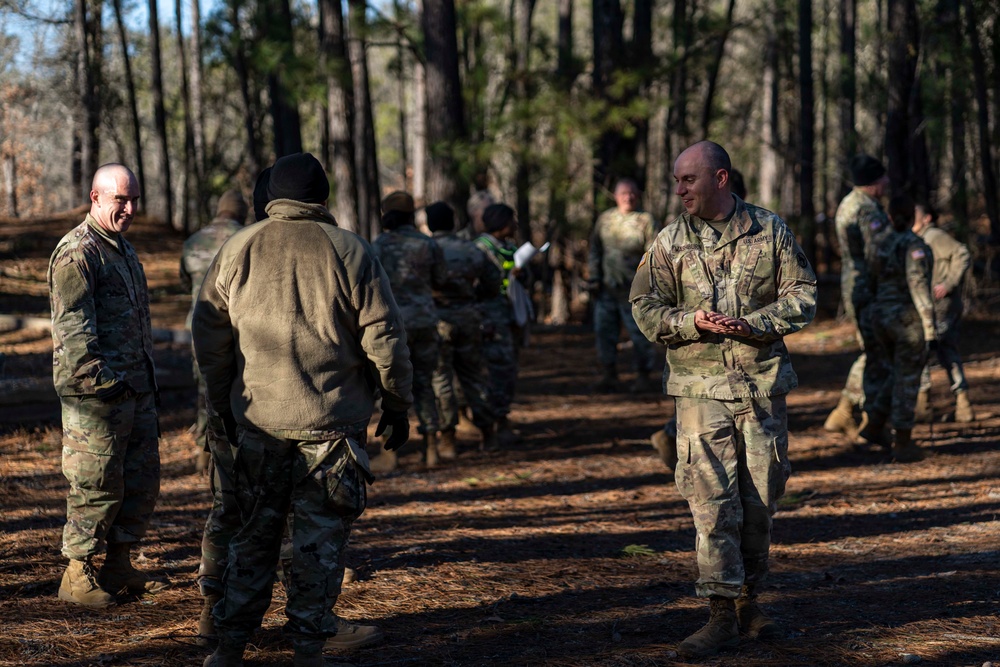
(301, 177)
(865, 169)
(440, 217)
(260, 198)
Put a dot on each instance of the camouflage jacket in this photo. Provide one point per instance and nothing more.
(469, 274)
(295, 327)
(860, 223)
(901, 278)
(756, 272)
(415, 266)
(199, 250)
(101, 331)
(617, 245)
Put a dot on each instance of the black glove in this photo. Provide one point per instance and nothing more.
(400, 424)
(116, 393)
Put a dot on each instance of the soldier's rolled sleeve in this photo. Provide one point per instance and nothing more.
(654, 302)
(795, 305)
(383, 336)
(918, 277)
(214, 342)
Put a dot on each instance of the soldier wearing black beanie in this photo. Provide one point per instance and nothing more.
(300, 177)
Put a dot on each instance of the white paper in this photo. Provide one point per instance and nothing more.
(524, 254)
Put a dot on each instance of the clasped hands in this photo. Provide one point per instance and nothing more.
(713, 322)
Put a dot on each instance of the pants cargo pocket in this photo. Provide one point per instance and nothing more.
(346, 494)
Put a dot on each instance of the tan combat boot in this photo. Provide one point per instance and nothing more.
(666, 447)
(841, 420)
(118, 574)
(609, 380)
(446, 445)
(353, 636)
(79, 586)
(922, 411)
(384, 463)
(751, 620)
(963, 409)
(904, 450)
(206, 622)
(719, 633)
(874, 432)
(226, 655)
(431, 459)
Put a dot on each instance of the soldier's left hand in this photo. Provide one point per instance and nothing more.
(940, 292)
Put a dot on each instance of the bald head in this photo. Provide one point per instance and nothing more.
(702, 175)
(114, 197)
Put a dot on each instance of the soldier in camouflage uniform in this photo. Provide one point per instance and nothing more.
(103, 374)
(860, 223)
(318, 334)
(470, 276)
(415, 266)
(500, 223)
(620, 237)
(951, 261)
(721, 287)
(474, 208)
(903, 319)
(197, 255)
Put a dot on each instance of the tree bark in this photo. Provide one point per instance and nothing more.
(366, 162)
(445, 115)
(770, 187)
(198, 109)
(524, 89)
(133, 105)
(957, 103)
(903, 49)
(807, 133)
(848, 83)
(166, 188)
(983, 118)
(340, 114)
(676, 132)
(276, 28)
(185, 203)
(713, 71)
(248, 95)
(10, 184)
(608, 21)
(90, 63)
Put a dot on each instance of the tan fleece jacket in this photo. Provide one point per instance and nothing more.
(296, 326)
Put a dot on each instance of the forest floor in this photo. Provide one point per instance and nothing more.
(571, 547)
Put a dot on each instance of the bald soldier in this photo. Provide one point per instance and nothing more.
(721, 287)
(103, 374)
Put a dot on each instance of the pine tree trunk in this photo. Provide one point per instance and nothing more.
(983, 117)
(188, 173)
(848, 83)
(713, 71)
(90, 63)
(10, 184)
(807, 133)
(198, 109)
(132, 103)
(903, 49)
(340, 114)
(957, 103)
(524, 10)
(770, 188)
(276, 27)
(366, 163)
(248, 95)
(166, 188)
(445, 115)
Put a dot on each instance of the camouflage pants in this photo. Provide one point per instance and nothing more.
(732, 468)
(324, 488)
(111, 458)
(425, 352)
(501, 364)
(611, 313)
(854, 389)
(224, 518)
(462, 360)
(900, 348)
(201, 425)
(947, 324)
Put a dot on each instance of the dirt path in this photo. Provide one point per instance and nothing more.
(519, 557)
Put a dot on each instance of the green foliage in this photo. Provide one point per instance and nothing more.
(637, 551)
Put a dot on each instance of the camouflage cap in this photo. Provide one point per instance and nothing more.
(232, 205)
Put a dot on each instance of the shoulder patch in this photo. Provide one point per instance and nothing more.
(642, 261)
(876, 224)
(917, 254)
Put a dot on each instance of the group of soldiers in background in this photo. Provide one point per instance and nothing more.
(427, 321)
(901, 284)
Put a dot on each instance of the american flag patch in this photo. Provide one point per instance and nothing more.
(876, 224)
(917, 254)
